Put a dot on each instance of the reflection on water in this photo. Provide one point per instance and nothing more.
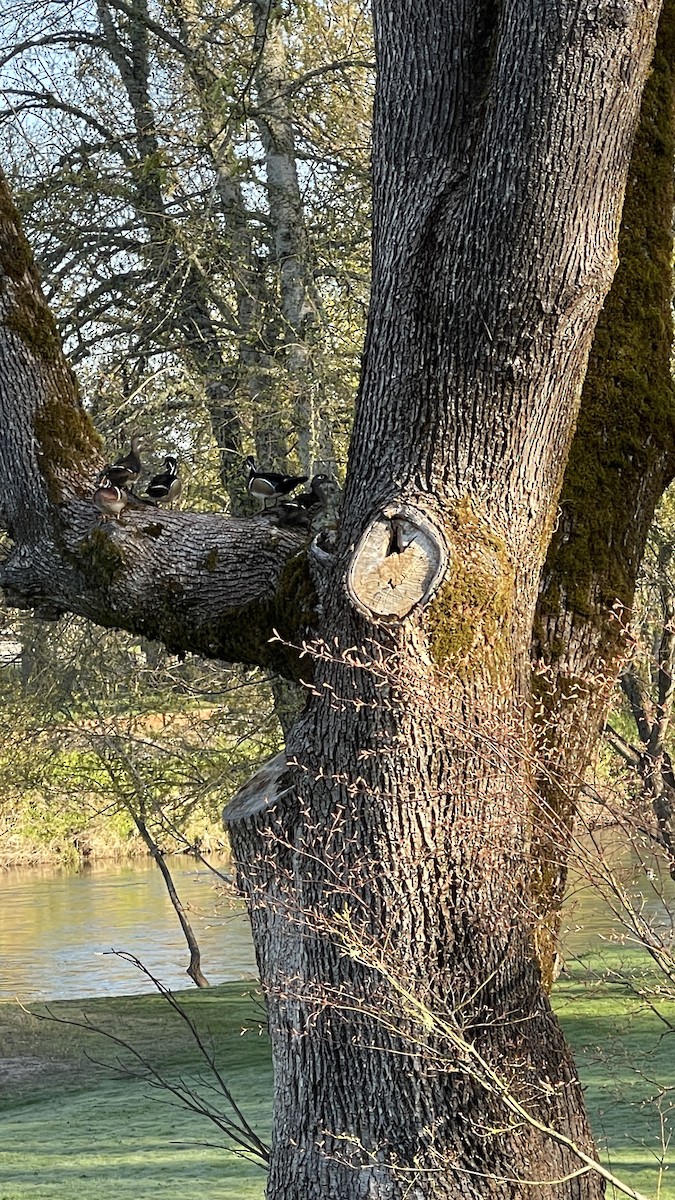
(57, 924)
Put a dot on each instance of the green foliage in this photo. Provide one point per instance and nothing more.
(100, 729)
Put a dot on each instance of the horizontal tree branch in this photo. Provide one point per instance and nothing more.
(201, 582)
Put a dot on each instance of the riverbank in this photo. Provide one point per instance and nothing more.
(73, 1129)
(37, 843)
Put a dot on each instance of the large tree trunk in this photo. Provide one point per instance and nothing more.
(622, 459)
(374, 956)
(388, 861)
(392, 872)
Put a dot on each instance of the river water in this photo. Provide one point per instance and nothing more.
(59, 926)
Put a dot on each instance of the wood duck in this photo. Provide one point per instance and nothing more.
(264, 484)
(167, 486)
(315, 495)
(109, 499)
(296, 512)
(124, 471)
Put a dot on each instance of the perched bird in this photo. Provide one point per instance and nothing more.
(264, 484)
(296, 512)
(109, 499)
(315, 495)
(124, 471)
(167, 486)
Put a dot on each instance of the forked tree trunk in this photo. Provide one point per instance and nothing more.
(388, 862)
(388, 866)
(621, 461)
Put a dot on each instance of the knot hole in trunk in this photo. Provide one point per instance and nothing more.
(398, 563)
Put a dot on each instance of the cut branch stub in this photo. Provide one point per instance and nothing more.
(260, 792)
(398, 563)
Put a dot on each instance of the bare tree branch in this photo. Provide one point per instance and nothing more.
(70, 40)
(628, 752)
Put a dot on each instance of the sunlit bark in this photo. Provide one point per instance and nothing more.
(390, 855)
(621, 460)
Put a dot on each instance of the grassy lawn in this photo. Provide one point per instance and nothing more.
(626, 1058)
(72, 1129)
(78, 1131)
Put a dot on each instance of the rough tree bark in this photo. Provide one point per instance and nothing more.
(622, 459)
(387, 858)
(488, 279)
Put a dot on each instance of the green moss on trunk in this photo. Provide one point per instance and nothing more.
(67, 440)
(623, 454)
(473, 608)
(621, 460)
(100, 557)
(69, 446)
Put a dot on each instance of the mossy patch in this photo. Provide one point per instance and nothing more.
(29, 316)
(16, 257)
(473, 607)
(245, 632)
(68, 442)
(295, 598)
(66, 437)
(100, 556)
(623, 453)
(32, 321)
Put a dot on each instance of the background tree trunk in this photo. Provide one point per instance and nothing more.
(622, 459)
(177, 274)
